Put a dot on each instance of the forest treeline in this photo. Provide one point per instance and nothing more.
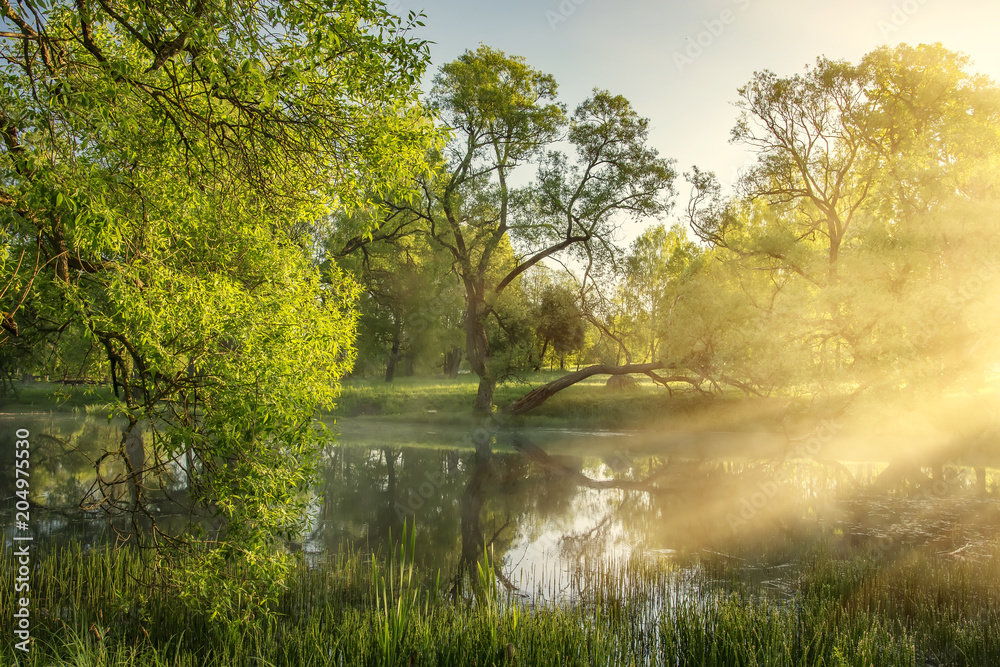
(859, 250)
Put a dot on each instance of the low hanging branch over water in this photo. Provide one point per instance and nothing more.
(536, 397)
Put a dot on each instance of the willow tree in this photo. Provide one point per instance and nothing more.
(160, 169)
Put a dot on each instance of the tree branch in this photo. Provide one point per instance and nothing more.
(537, 396)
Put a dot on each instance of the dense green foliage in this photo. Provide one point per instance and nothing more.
(200, 202)
(161, 172)
(858, 253)
(411, 306)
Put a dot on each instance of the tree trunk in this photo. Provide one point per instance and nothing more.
(470, 510)
(390, 366)
(484, 397)
(479, 353)
(534, 398)
(836, 236)
(390, 475)
(541, 357)
(388, 519)
(452, 362)
(135, 452)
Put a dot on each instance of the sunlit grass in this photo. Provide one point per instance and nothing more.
(588, 404)
(864, 609)
(55, 397)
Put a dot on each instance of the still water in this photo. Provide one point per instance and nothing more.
(545, 501)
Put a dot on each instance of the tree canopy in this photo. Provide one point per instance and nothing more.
(503, 118)
(859, 252)
(872, 208)
(162, 170)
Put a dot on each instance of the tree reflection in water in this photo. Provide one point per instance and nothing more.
(520, 499)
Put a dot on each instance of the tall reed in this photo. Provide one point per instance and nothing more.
(96, 607)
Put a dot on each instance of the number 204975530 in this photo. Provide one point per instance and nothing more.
(22, 485)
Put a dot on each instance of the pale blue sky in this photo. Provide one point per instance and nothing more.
(629, 47)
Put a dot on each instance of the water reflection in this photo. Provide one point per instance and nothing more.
(77, 478)
(542, 513)
(543, 502)
(64, 450)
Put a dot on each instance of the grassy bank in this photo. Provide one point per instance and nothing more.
(587, 404)
(429, 400)
(48, 397)
(859, 610)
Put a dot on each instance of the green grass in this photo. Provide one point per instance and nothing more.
(587, 404)
(859, 610)
(430, 400)
(56, 397)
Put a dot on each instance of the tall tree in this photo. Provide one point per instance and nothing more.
(875, 188)
(160, 166)
(502, 116)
